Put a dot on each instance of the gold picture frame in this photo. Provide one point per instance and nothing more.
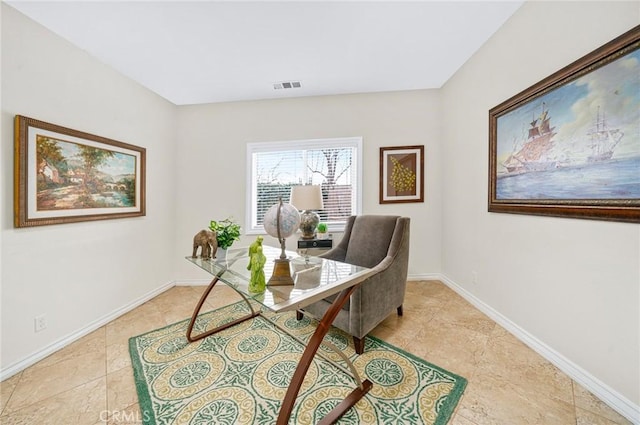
(63, 175)
(569, 146)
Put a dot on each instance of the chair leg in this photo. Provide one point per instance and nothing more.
(299, 315)
(358, 343)
(400, 310)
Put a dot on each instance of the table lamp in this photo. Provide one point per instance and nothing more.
(307, 198)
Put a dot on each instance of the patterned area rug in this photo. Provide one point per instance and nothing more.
(240, 376)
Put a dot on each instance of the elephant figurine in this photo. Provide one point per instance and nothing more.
(207, 240)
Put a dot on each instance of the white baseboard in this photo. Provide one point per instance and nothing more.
(425, 276)
(20, 365)
(605, 393)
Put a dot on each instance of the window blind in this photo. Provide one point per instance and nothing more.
(332, 164)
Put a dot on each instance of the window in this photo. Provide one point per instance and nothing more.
(335, 164)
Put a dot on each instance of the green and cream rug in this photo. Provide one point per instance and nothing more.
(240, 376)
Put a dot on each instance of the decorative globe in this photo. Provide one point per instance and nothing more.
(289, 220)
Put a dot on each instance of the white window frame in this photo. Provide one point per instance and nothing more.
(257, 147)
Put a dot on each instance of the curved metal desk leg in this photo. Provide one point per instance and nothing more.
(194, 316)
(345, 359)
(305, 362)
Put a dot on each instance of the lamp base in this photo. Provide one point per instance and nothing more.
(281, 273)
(308, 222)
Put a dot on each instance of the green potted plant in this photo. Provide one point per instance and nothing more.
(227, 232)
(321, 231)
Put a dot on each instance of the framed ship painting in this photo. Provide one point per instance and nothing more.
(64, 175)
(569, 146)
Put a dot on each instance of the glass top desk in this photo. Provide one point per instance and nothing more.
(314, 279)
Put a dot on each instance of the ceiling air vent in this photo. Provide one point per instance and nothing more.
(287, 85)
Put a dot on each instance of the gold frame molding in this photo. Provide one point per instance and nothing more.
(518, 194)
(26, 175)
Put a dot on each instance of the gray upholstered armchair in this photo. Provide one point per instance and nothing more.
(381, 243)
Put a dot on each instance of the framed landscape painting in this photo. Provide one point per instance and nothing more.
(401, 174)
(569, 146)
(64, 175)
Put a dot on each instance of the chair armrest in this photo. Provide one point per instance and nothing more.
(336, 254)
(377, 296)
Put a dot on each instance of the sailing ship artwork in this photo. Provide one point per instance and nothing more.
(579, 141)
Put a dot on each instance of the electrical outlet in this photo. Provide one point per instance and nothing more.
(40, 323)
(474, 277)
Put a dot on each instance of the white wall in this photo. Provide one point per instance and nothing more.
(212, 145)
(572, 284)
(78, 273)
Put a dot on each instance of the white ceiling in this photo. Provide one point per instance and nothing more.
(215, 51)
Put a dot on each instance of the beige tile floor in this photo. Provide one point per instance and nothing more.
(91, 382)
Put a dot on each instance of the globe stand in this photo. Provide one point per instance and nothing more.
(281, 269)
(281, 273)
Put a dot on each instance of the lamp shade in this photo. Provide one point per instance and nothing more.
(307, 197)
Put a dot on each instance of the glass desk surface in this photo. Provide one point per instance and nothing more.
(314, 278)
